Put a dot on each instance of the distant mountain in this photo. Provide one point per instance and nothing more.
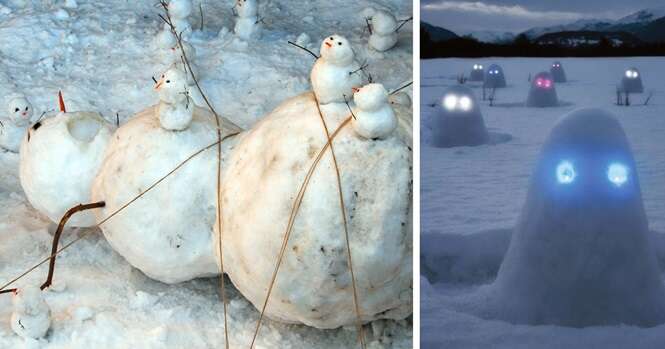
(647, 25)
(574, 39)
(492, 37)
(437, 34)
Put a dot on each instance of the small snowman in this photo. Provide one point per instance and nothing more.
(175, 109)
(374, 118)
(179, 10)
(336, 72)
(248, 23)
(32, 316)
(384, 31)
(14, 126)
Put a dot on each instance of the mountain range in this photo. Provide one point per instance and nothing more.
(647, 25)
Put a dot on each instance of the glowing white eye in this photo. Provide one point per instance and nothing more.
(465, 103)
(629, 74)
(450, 102)
(475, 66)
(496, 72)
(617, 174)
(565, 172)
(480, 66)
(635, 74)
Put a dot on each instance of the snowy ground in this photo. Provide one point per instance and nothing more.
(100, 55)
(470, 190)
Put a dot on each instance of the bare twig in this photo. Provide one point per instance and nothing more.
(304, 48)
(369, 26)
(356, 303)
(201, 12)
(349, 107)
(401, 88)
(404, 21)
(58, 233)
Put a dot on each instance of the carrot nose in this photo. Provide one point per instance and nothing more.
(328, 44)
(159, 84)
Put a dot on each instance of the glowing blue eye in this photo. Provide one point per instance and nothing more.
(617, 174)
(565, 172)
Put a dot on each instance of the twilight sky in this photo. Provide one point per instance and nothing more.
(462, 16)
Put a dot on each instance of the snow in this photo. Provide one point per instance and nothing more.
(102, 59)
(374, 118)
(471, 197)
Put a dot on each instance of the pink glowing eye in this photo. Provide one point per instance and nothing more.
(548, 84)
(539, 82)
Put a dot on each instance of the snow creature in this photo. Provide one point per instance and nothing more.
(336, 72)
(73, 143)
(384, 31)
(494, 77)
(477, 73)
(374, 117)
(457, 120)
(581, 255)
(631, 82)
(175, 108)
(14, 126)
(558, 73)
(542, 92)
(31, 317)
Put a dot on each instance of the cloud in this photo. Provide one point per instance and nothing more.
(515, 11)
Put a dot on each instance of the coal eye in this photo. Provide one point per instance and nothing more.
(339, 43)
(26, 108)
(168, 81)
(17, 109)
(331, 38)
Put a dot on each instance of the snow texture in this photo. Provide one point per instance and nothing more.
(543, 92)
(458, 120)
(472, 198)
(32, 316)
(101, 55)
(60, 156)
(263, 176)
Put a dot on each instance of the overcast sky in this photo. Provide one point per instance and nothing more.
(462, 16)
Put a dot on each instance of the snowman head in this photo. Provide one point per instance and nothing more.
(632, 73)
(556, 65)
(172, 86)
(384, 23)
(247, 8)
(337, 50)
(28, 301)
(165, 39)
(370, 97)
(180, 8)
(20, 110)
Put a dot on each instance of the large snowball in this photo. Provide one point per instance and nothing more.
(168, 232)
(60, 157)
(263, 177)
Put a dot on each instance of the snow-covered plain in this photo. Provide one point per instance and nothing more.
(101, 55)
(471, 196)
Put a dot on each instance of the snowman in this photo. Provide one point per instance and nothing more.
(168, 233)
(336, 72)
(373, 116)
(384, 31)
(179, 10)
(248, 24)
(31, 317)
(15, 125)
(175, 109)
(59, 158)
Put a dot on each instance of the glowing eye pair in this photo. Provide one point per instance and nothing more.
(556, 65)
(544, 83)
(452, 102)
(494, 72)
(477, 66)
(631, 74)
(617, 173)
